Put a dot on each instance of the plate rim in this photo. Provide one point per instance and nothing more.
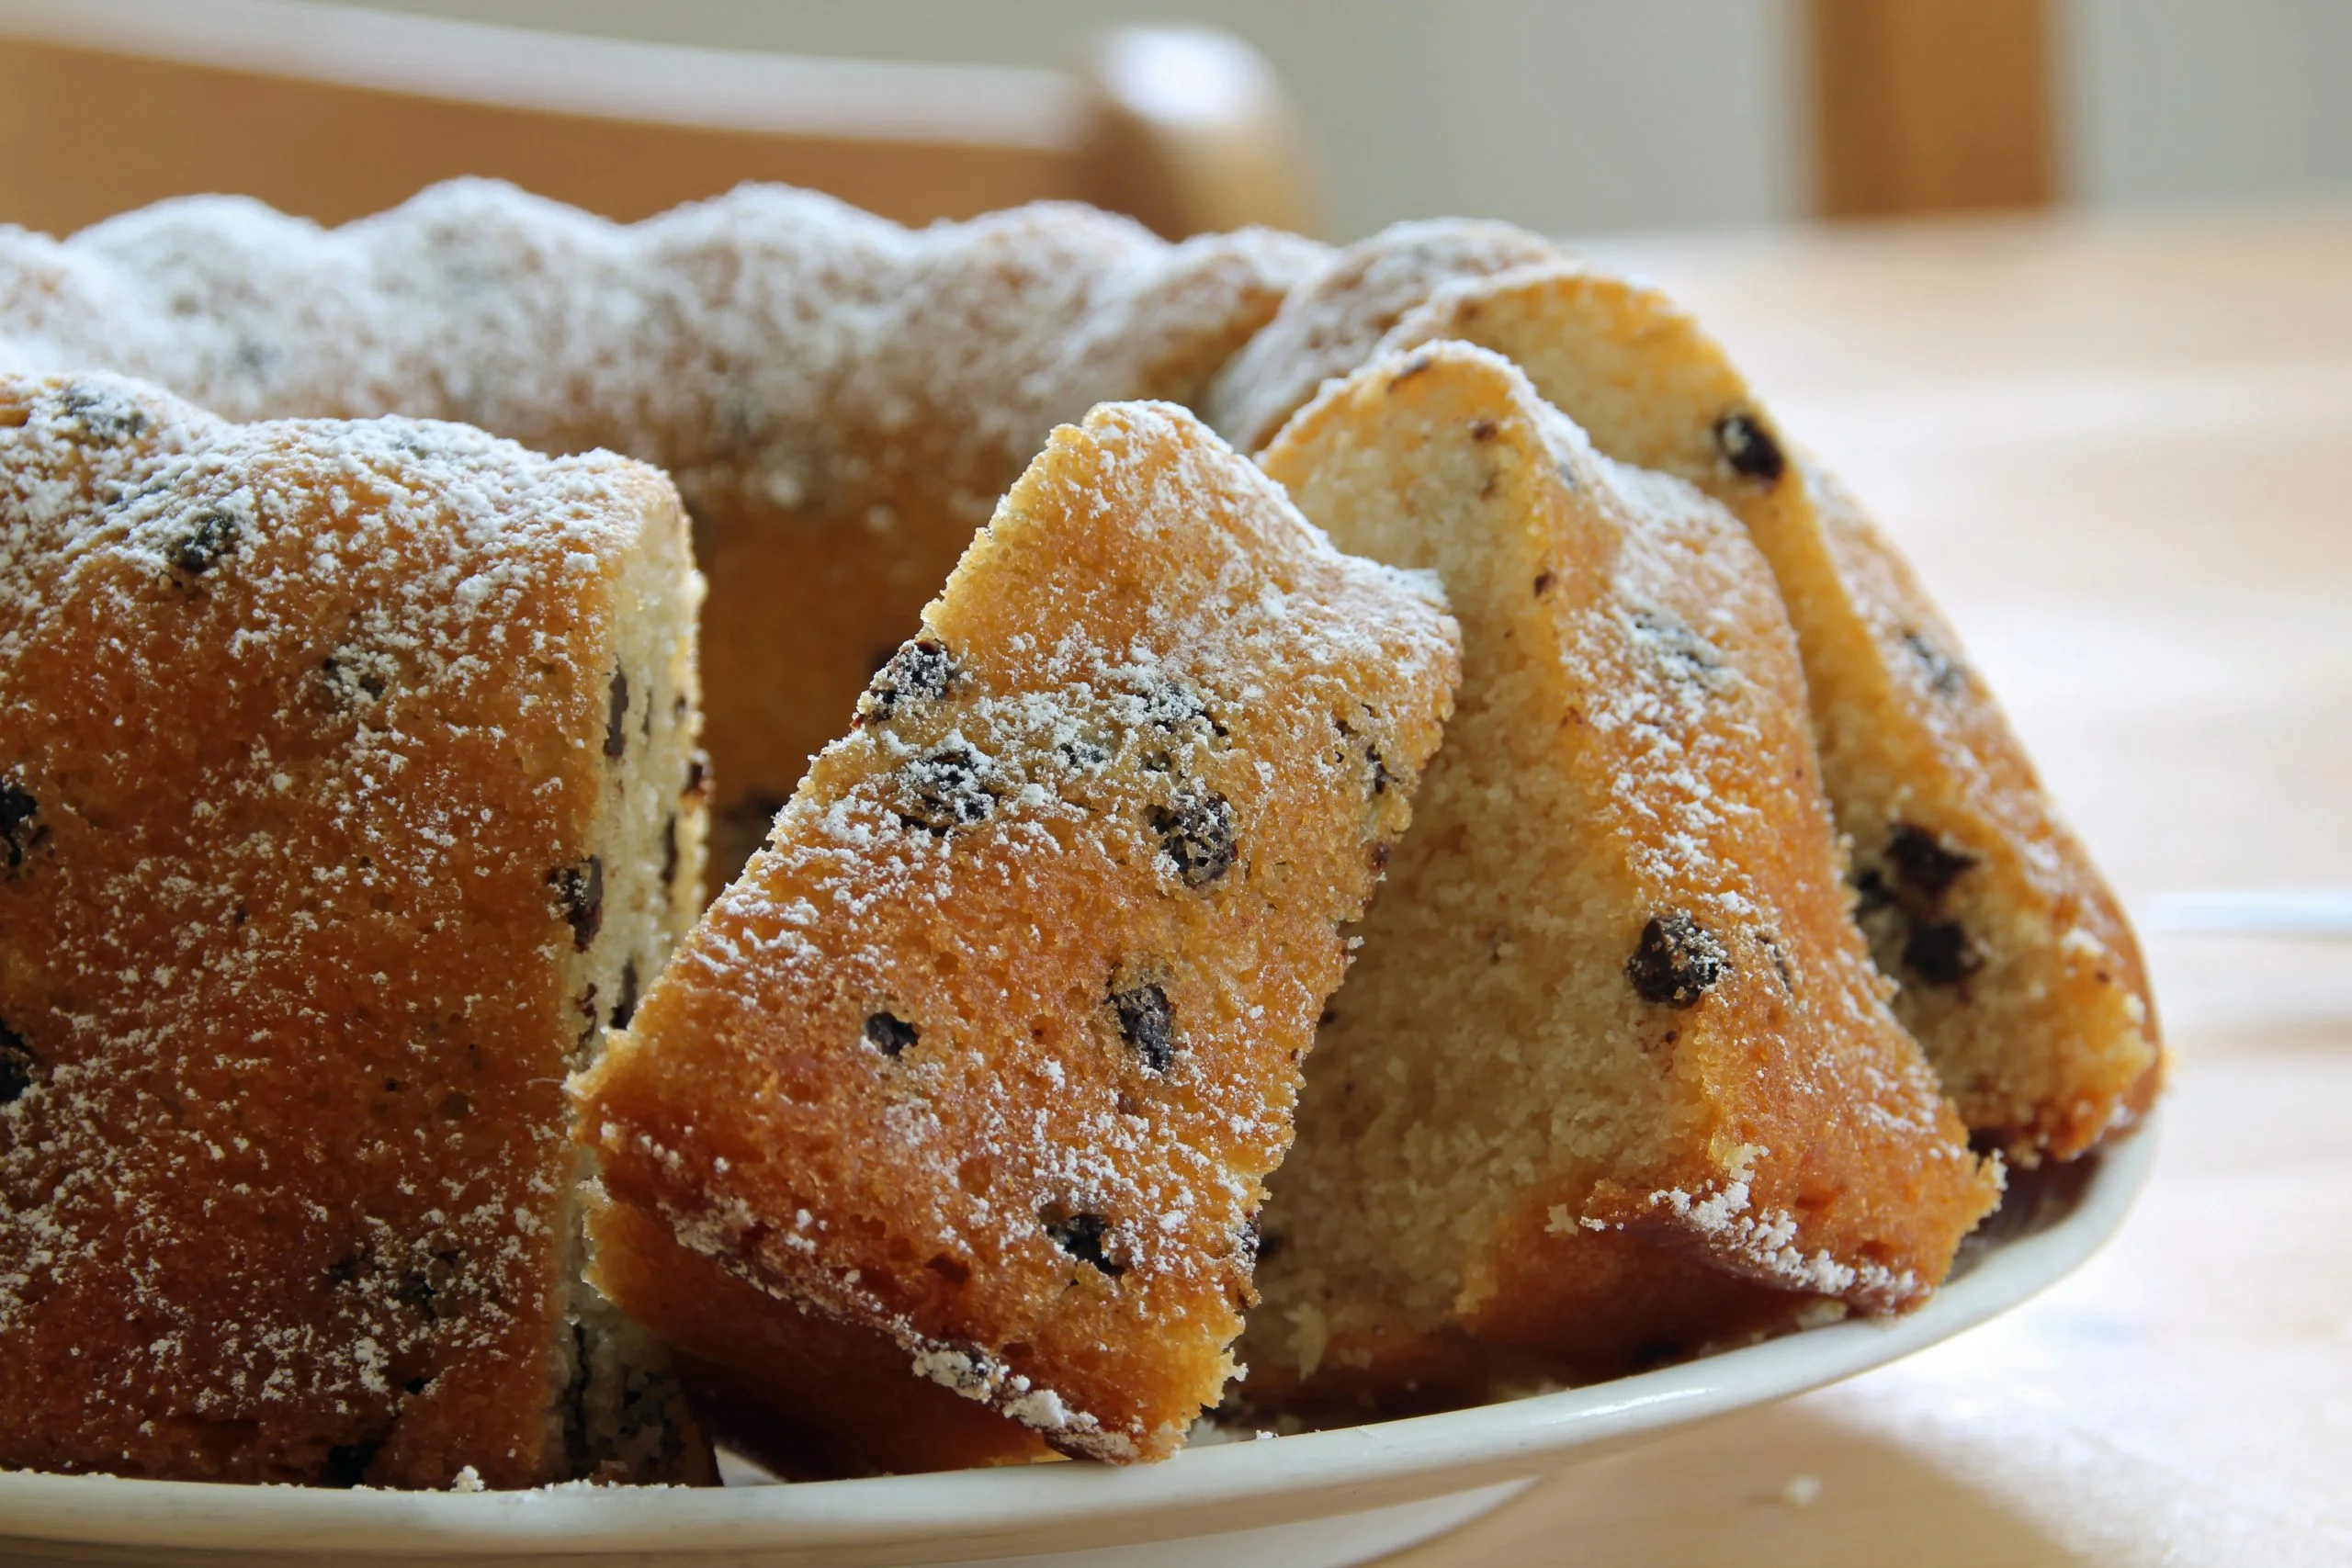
(1304, 1475)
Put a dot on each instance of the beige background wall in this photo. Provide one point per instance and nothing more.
(1577, 115)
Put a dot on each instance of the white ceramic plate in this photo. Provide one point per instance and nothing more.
(1311, 1501)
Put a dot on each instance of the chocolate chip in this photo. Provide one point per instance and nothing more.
(1749, 448)
(1922, 862)
(1871, 893)
(1148, 1024)
(17, 1065)
(580, 890)
(206, 538)
(889, 1033)
(1379, 770)
(1482, 429)
(1195, 829)
(944, 789)
(1677, 961)
(1543, 580)
(624, 1005)
(347, 1463)
(617, 718)
(670, 850)
(104, 416)
(20, 828)
(1947, 677)
(1939, 953)
(1081, 1236)
(921, 670)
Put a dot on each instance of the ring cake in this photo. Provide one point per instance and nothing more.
(348, 797)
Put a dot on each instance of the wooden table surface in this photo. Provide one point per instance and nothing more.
(2121, 452)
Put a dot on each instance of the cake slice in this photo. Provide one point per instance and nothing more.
(1612, 1078)
(2019, 973)
(977, 1073)
(346, 784)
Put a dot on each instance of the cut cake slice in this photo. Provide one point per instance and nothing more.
(977, 1073)
(2019, 973)
(1612, 1076)
(345, 786)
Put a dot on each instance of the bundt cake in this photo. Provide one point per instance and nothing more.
(348, 797)
(345, 781)
(2018, 972)
(840, 399)
(987, 1056)
(1612, 1076)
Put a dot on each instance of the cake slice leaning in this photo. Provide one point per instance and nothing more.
(2019, 973)
(1612, 1078)
(977, 1073)
(344, 780)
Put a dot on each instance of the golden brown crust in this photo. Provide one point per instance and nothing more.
(1698, 1073)
(284, 1188)
(991, 1050)
(2019, 973)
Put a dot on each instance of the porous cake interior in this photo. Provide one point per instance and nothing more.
(1570, 1005)
(617, 1410)
(1487, 1031)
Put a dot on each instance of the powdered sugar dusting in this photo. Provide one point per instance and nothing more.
(306, 718)
(767, 343)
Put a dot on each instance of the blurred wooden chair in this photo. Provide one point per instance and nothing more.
(108, 105)
(1931, 106)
